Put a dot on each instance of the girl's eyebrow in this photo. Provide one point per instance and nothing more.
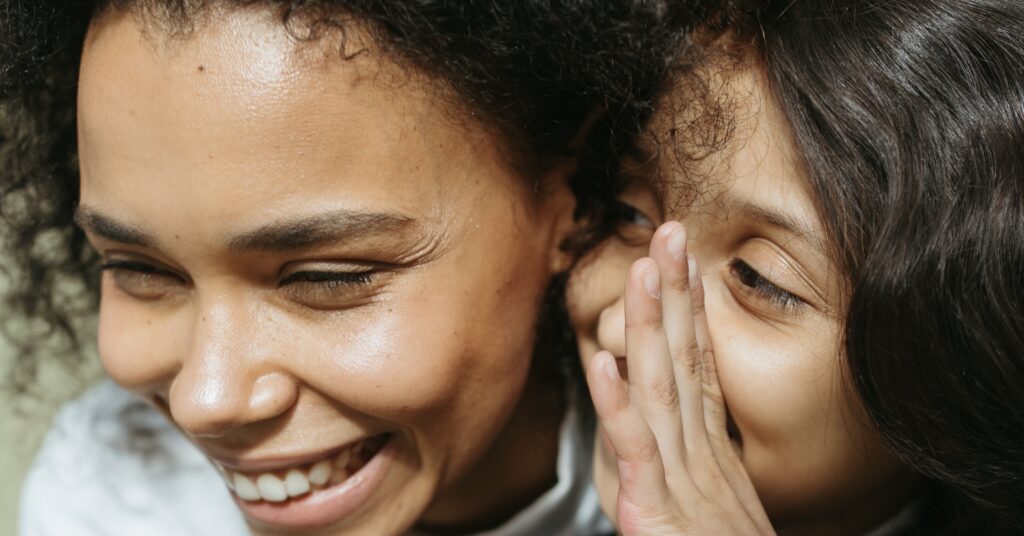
(779, 220)
(283, 235)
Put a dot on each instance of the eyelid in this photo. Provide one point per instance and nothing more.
(782, 256)
(767, 289)
(333, 289)
(139, 266)
(624, 210)
(328, 276)
(124, 264)
(143, 281)
(329, 267)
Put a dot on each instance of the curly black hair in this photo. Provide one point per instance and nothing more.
(536, 71)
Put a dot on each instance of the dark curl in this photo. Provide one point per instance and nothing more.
(535, 71)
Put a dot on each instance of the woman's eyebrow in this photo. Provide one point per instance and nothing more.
(91, 220)
(284, 235)
(332, 226)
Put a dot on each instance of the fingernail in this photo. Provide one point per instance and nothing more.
(677, 244)
(694, 270)
(652, 283)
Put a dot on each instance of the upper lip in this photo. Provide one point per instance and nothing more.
(253, 465)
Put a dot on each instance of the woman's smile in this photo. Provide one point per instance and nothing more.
(310, 491)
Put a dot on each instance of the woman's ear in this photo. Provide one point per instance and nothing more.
(564, 201)
(560, 205)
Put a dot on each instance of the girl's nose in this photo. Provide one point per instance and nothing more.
(611, 328)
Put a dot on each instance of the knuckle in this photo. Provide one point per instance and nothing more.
(649, 322)
(640, 453)
(680, 282)
(714, 397)
(720, 438)
(690, 357)
(664, 391)
(715, 475)
(707, 363)
(697, 303)
(705, 468)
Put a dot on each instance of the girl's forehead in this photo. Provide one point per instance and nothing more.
(726, 151)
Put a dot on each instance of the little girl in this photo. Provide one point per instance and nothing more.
(829, 340)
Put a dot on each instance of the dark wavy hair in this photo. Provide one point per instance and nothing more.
(534, 71)
(909, 120)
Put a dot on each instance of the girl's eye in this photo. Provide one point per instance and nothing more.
(763, 288)
(141, 280)
(630, 215)
(634, 227)
(327, 289)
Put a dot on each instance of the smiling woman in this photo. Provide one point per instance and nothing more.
(326, 232)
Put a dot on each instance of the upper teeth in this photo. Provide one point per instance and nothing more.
(297, 481)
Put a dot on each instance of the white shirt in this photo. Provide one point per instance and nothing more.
(94, 476)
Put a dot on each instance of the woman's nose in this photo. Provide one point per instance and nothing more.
(611, 328)
(230, 376)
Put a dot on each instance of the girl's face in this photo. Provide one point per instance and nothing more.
(774, 303)
(324, 278)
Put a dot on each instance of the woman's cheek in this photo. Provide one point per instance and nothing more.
(396, 361)
(136, 342)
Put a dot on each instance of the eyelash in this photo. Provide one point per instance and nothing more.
(624, 212)
(132, 266)
(331, 280)
(767, 290)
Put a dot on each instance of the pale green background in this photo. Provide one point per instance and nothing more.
(21, 432)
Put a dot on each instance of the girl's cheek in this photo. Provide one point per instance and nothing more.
(778, 384)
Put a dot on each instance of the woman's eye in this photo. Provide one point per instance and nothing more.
(763, 288)
(329, 278)
(327, 288)
(139, 279)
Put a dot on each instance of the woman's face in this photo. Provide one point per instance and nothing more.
(325, 278)
(773, 301)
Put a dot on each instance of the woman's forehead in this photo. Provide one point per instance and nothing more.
(244, 61)
(191, 132)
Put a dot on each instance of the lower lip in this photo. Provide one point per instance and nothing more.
(326, 506)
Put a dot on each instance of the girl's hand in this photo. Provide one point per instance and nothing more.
(678, 471)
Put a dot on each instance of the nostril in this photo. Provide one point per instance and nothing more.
(161, 404)
(206, 403)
